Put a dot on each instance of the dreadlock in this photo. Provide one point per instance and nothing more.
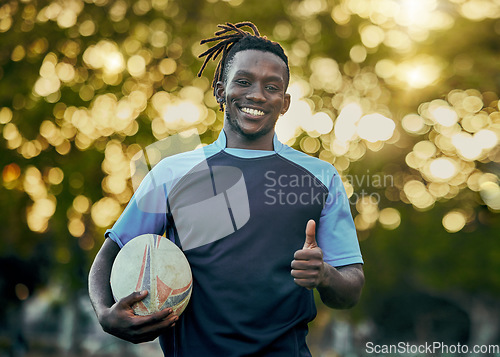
(231, 40)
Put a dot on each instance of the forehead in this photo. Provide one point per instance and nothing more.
(259, 63)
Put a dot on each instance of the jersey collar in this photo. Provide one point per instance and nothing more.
(221, 143)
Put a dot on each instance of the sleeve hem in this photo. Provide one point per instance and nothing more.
(345, 261)
(112, 235)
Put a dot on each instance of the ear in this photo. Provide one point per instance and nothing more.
(286, 103)
(220, 92)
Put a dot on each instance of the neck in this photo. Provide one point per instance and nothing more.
(238, 140)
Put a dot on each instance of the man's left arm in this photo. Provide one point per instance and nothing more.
(339, 288)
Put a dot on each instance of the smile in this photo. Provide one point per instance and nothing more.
(254, 112)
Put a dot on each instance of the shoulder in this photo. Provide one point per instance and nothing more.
(323, 170)
(186, 160)
(171, 168)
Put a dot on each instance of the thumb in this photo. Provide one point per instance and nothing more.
(310, 242)
(134, 297)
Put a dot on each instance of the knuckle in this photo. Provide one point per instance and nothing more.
(134, 324)
(317, 265)
(156, 317)
(317, 254)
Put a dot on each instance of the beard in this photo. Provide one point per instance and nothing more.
(235, 126)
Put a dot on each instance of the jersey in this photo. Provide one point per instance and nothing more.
(239, 216)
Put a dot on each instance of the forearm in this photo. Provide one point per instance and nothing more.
(340, 288)
(100, 293)
(118, 318)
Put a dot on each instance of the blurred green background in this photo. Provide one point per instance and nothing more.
(401, 96)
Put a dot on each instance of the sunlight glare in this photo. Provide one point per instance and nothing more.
(415, 12)
(419, 72)
(113, 62)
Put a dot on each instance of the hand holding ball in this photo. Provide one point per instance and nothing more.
(153, 263)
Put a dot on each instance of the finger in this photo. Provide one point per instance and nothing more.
(145, 321)
(146, 324)
(151, 332)
(310, 235)
(308, 254)
(304, 274)
(306, 283)
(162, 315)
(144, 328)
(306, 265)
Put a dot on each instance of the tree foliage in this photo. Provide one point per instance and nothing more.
(401, 96)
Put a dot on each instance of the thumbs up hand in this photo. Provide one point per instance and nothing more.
(308, 266)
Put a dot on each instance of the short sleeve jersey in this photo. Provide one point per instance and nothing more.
(239, 216)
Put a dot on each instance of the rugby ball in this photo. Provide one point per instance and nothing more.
(153, 263)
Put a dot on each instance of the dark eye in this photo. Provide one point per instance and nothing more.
(272, 88)
(243, 82)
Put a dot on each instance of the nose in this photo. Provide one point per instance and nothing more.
(255, 93)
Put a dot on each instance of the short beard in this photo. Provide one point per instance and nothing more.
(234, 125)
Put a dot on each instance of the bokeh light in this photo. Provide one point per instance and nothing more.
(404, 88)
(443, 168)
(490, 193)
(375, 127)
(390, 218)
(454, 221)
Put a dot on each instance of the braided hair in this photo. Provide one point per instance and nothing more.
(233, 39)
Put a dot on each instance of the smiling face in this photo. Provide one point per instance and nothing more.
(255, 95)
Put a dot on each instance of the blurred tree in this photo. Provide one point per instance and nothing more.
(401, 96)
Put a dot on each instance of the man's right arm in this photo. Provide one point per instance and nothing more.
(118, 318)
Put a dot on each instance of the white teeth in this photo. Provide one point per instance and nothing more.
(252, 111)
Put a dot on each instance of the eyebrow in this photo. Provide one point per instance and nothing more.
(274, 78)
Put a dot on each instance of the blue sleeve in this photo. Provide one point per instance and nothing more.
(336, 233)
(145, 213)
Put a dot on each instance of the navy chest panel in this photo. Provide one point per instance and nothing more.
(241, 207)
